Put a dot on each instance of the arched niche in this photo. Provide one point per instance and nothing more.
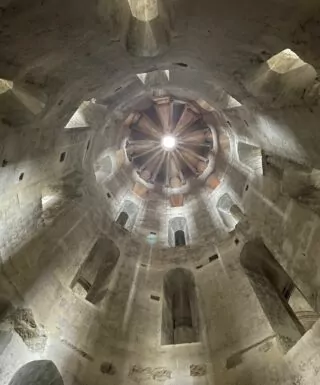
(93, 277)
(42, 372)
(179, 238)
(224, 205)
(273, 288)
(180, 320)
(122, 219)
(128, 215)
(178, 232)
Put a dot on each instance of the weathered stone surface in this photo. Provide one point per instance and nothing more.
(5, 338)
(198, 370)
(33, 335)
(81, 352)
(107, 368)
(138, 373)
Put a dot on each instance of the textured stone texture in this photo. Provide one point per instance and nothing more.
(55, 55)
(107, 368)
(25, 325)
(140, 374)
(198, 370)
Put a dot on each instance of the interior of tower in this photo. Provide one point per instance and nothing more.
(159, 192)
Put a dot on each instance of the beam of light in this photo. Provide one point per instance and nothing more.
(285, 61)
(49, 201)
(152, 243)
(142, 77)
(132, 293)
(144, 10)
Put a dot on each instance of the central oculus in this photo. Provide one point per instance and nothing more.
(168, 142)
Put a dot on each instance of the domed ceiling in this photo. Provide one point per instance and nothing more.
(174, 162)
(170, 145)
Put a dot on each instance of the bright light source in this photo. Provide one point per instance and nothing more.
(168, 142)
(144, 10)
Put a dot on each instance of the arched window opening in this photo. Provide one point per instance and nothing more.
(122, 219)
(178, 234)
(224, 205)
(274, 289)
(92, 280)
(42, 372)
(128, 215)
(180, 321)
(179, 238)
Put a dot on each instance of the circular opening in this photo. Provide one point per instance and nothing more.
(168, 142)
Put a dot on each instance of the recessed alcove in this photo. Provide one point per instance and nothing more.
(178, 232)
(122, 219)
(274, 288)
(92, 278)
(62, 156)
(179, 238)
(180, 320)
